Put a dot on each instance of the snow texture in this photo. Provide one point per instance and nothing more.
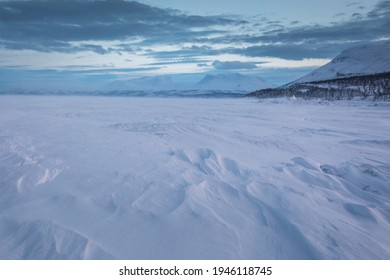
(154, 178)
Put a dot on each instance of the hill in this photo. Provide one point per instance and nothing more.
(362, 71)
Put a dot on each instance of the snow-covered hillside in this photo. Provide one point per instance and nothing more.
(169, 178)
(232, 81)
(362, 60)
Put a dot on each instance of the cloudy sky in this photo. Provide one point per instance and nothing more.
(86, 44)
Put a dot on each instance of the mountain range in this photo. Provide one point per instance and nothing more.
(232, 81)
(144, 83)
(224, 82)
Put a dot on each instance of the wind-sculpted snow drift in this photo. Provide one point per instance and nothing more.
(149, 178)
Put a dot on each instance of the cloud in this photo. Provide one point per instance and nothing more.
(314, 41)
(339, 15)
(51, 25)
(95, 48)
(381, 10)
(366, 27)
(291, 43)
(192, 53)
(118, 26)
(233, 65)
(185, 60)
(291, 51)
(352, 4)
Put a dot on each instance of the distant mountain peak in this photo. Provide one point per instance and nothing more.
(232, 81)
(223, 81)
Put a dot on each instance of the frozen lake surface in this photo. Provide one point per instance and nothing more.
(193, 178)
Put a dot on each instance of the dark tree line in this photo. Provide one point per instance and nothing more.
(376, 86)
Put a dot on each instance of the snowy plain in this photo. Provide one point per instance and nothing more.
(193, 178)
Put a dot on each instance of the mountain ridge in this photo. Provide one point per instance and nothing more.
(222, 81)
(356, 61)
(232, 81)
(362, 71)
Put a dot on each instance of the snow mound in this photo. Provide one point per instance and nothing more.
(22, 166)
(45, 240)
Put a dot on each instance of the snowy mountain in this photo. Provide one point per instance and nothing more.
(358, 61)
(232, 81)
(144, 83)
(362, 72)
(220, 82)
(210, 85)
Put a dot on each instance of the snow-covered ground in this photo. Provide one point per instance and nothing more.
(154, 178)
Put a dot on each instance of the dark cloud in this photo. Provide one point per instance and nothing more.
(381, 10)
(368, 26)
(315, 41)
(185, 60)
(65, 25)
(296, 51)
(357, 15)
(233, 65)
(50, 25)
(191, 52)
(96, 48)
(339, 15)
